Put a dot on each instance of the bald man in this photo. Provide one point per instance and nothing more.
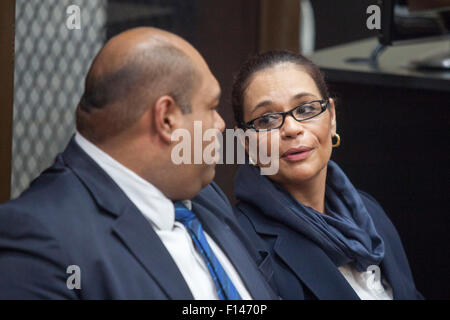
(112, 218)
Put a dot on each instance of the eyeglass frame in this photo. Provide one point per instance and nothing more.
(324, 103)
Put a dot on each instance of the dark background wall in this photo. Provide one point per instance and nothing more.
(225, 44)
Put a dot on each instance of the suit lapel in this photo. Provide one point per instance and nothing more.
(235, 251)
(140, 238)
(309, 263)
(314, 268)
(130, 225)
(389, 269)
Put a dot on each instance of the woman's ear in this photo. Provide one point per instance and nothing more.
(332, 116)
(167, 117)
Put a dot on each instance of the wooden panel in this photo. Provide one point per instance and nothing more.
(7, 17)
(226, 35)
(279, 25)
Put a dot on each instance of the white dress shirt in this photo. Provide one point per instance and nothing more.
(366, 284)
(160, 212)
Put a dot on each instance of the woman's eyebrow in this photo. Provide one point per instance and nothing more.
(301, 95)
(269, 102)
(262, 104)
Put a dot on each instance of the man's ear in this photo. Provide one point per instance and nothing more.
(167, 117)
(332, 116)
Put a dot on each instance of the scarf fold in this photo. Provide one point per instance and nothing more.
(346, 233)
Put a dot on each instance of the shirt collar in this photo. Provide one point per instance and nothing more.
(188, 204)
(153, 204)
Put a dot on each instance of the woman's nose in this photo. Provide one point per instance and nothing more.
(291, 127)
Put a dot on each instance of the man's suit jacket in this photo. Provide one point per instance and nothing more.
(301, 268)
(75, 214)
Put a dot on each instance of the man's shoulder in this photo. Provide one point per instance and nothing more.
(216, 202)
(213, 196)
(52, 196)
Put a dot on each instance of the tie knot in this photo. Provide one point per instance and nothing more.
(182, 213)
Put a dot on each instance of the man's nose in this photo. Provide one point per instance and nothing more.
(291, 127)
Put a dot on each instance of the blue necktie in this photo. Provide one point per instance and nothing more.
(224, 286)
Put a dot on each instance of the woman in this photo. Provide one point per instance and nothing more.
(327, 240)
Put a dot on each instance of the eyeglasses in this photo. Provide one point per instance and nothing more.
(275, 120)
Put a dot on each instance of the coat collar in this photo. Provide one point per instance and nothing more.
(95, 179)
(390, 267)
(155, 206)
(130, 225)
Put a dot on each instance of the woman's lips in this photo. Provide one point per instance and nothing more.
(297, 154)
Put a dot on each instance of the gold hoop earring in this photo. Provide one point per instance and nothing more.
(338, 142)
(253, 163)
